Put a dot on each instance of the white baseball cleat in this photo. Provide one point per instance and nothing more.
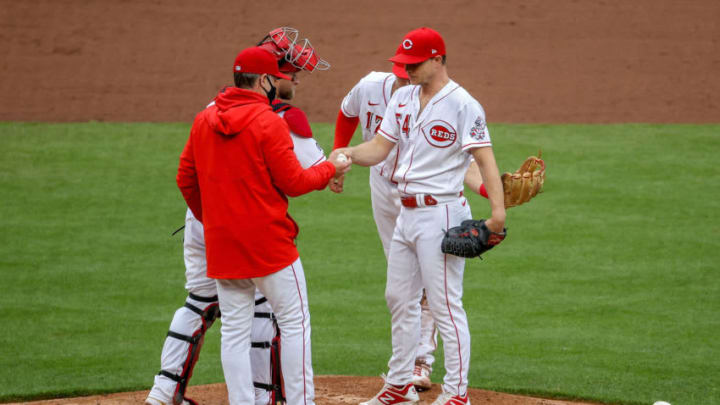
(421, 377)
(449, 399)
(392, 395)
(153, 401)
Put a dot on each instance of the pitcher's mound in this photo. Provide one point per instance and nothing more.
(329, 390)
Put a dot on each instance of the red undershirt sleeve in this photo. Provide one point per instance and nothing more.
(344, 129)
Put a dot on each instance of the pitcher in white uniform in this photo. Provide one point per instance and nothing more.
(365, 105)
(437, 127)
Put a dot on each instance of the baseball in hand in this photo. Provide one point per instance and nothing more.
(342, 158)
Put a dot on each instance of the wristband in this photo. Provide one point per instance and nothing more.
(482, 191)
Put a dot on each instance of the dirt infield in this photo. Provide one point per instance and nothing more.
(533, 61)
(329, 390)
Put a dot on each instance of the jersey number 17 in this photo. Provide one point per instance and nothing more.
(373, 117)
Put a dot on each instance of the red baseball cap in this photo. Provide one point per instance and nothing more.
(399, 71)
(399, 68)
(418, 46)
(257, 60)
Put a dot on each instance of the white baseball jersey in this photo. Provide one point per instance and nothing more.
(308, 151)
(430, 142)
(368, 101)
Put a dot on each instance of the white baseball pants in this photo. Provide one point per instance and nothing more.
(174, 353)
(286, 292)
(416, 262)
(386, 206)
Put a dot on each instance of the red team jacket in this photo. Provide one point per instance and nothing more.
(235, 172)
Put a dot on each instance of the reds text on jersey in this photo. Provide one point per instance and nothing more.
(430, 144)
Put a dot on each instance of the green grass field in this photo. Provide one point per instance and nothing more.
(606, 289)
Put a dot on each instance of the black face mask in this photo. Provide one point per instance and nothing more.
(272, 93)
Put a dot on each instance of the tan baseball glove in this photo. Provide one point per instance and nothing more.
(521, 186)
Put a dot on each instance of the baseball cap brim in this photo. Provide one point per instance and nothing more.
(281, 76)
(399, 71)
(408, 59)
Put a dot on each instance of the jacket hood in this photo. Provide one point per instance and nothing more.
(236, 109)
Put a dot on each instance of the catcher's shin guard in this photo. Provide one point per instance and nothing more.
(278, 392)
(208, 314)
(275, 387)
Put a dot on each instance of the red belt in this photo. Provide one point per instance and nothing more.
(411, 201)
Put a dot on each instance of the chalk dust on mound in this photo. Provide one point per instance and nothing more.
(329, 390)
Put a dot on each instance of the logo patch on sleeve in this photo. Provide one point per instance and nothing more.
(478, 129)
(439, 134)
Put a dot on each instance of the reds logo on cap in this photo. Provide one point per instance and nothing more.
(439, 134)
(419, 45)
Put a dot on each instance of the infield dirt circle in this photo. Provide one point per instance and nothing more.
(526, 61)
(329, 390)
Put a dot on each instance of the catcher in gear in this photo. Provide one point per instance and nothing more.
(472, 237)
(184, 340)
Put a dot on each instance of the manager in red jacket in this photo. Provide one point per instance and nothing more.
(235, 172)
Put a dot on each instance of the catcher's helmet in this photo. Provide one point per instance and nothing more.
(292, 55)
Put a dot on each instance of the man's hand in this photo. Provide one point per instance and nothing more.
(496, 224)
(336, 184)
(341, 167)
